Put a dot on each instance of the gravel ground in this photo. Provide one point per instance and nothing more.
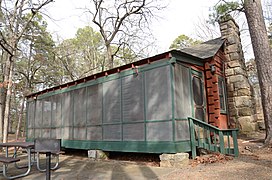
(253, 163)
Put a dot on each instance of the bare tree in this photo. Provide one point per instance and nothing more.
(205, 31)
(16, 16)
(121, 21)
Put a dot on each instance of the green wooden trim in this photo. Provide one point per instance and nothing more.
(187, 59)
(121, 108)
(181, 119)
(73, 111)
(26, 122)
(235, 143)
(42, 111)
(130, 146)
(197, 73)
(191, 92)
(221, 145)
(193, 140)
(209, 137)
(228, 149)
(223, 110)
(173, 100)
(145, 105)
(207, 144)
(51, 112)
(86, 113)
(173, 60)
(164, 120)
(61, 117)
(103, 107)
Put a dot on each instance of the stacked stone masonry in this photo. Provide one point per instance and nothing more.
(240, 95)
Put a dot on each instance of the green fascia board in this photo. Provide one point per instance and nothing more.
(180, 57)
(146, 67)
(130, 146)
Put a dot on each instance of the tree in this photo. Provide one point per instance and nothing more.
(262, 52)
(80, 56)
(183, 41)
(120, 21)
(32, 65)
(270, 34)
(12, 18)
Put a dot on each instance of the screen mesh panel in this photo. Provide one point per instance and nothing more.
(38, 114)
(53, 133)
(67, 133)
(111, 101)
(30, 133)
(112, 132)
(67, 109)
(183, 107)
(94, 133)
(158, 94)
(45, 133)
(94, 104)
(198, 91)
(134, 132)
(56, 110)
(80, 107)
(200, 114)
(159, 131)
(79, 133)
(47, 108)
(38, 132)
(58, 133)
(133, 98)
(30, 114)
(182, 130)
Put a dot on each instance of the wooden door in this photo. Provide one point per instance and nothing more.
(198, 95)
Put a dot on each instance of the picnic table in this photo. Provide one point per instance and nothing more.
(13, 159)
(46, 146)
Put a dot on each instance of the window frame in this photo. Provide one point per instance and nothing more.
(223, 95)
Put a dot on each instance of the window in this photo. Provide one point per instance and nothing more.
(222, 94)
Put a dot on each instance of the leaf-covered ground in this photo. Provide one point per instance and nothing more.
(253, 163)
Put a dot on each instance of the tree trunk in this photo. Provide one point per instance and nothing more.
(8, 98)
(109, 56)
(262, 53)
(17, 134)
(2, 110)
(3, 91)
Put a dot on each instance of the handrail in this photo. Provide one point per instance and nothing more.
(204, 135)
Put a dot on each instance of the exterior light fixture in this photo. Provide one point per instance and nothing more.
(213, 68)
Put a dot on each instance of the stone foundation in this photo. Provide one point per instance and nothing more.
(178, 160)
(97, 154)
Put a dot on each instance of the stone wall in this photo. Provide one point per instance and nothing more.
(240, 95)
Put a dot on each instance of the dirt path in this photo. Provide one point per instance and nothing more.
(252, 163)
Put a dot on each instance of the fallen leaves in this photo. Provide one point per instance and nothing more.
(211, 158)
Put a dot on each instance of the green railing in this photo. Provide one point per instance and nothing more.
(206, 136)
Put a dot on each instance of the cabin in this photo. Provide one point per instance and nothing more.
(139, 107)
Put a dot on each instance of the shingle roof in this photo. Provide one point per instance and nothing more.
(204, 50)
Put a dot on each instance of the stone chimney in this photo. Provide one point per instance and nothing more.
(240, 95)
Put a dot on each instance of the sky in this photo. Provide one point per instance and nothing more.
(179, 17)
